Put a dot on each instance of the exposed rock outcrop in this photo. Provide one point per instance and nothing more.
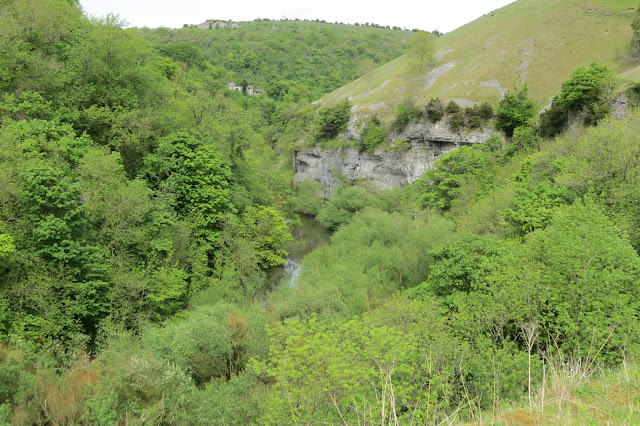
(384, 169)
(620, 106)
(216, 23)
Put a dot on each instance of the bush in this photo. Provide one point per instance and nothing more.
(634, 94)
(456, 121)
(346, 201)
(484, 111)
(554, 120)
(434, 110)
(524, 139)
(214, 342)
(586, 90)
(407, 111)
(309, 197)
(439, 186)
(331, 121)
(494, 143)
(516, 110)
(472, 120)
(373, 134)
(453, 108)
(401, 144)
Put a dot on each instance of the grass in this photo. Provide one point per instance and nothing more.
(602, 397)
(537, 41)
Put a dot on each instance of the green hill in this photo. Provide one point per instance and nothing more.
(534, 41)
(313, 57)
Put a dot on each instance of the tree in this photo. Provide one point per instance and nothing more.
(515, 110)
(185, 52)
(268, 232)
(346, 201)
(331, 121)
(422, 50)
(587, 91)
(366, 68)
(584, 86)
(198, 176)
(441, 185)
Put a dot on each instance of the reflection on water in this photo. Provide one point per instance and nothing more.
(306, 238)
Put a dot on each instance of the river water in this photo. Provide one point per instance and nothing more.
(306, 238)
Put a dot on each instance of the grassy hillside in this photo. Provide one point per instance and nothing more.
(315, 57)
(535, 41)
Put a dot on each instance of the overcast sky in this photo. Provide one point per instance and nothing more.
(443, 15)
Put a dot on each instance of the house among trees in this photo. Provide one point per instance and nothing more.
(249, 89)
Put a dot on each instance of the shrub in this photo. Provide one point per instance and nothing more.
(441, 185)
(554, 120)
(494, 143)
(472, 120)
(586, 89)
(331, 121)
(407, 111)
(524, 139)
(401, 144)
(516, 110)
(456, 121)
(452, 108)
(484, 111)
(309, 197)
(434, 110)
(344, 204)
(373, 134)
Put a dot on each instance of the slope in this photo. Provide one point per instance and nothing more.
(534, 41)
(312, 57)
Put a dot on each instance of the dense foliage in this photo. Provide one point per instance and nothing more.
(143, 205)
(301, 59)
(515, 110)
(585, 94)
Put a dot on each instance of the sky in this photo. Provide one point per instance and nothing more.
(443, 15)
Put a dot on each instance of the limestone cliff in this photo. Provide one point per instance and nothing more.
(384, 168)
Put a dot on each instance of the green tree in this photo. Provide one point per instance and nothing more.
(365, 69)
(185, 52)
(422, 50)
(442, 184)
(590, 277)
(515, 110)
(406, 111)
(331, 121)
(586, 91)
(195, 172)
(268, 232)
(345, 202)
(534, 207)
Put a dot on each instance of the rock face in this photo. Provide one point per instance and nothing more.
(384, 168)
(215, 23)
(620, 106)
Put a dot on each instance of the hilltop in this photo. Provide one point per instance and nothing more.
(534, 41)
(313, 57)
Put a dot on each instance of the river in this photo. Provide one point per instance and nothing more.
(306, 238)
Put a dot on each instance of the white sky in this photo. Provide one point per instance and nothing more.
(443, 15)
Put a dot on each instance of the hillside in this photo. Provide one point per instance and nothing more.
(534, 41)
(314, 57)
